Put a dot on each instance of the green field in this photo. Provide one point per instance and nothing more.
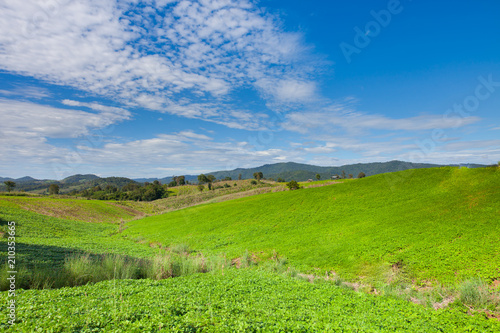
(238, 301)
(46, 241)
(436, 224)
(399, 236)
(75, 209)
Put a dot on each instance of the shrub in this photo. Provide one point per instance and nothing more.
(361, 175)
(293, 185)
(253, 182)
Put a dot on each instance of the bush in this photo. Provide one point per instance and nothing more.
(361, 175)
(293, 185)
(253, 182)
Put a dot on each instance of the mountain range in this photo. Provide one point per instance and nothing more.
(287, 171)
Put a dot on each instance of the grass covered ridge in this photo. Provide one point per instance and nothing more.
(74, 209)
(427, 225)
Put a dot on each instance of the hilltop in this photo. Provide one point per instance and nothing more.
(287, 171)
(430, 224)
(317, 258)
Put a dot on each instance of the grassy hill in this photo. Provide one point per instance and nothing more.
(73, 209)
(431, 224)
(399, 233)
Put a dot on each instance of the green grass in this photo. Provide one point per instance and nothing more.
(45, 241)
(74, 209)
(431, 225)
(237, 301)
(417, 226)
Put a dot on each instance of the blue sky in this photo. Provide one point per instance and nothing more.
(158, 88)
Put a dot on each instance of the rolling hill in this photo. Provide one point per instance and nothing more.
(288, 171)
(400, 235)
(437, 224)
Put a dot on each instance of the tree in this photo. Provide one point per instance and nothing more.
(227, 178)
(361, 175)
(130, 187)
(109, 188)
(181, 180)
(211, 178)
(209, 186)
(280, 180)
(258, 175)
(10, 185)
(201, 188)
(350, 176)
(292, 185)
(343, 174)
(54, 189)
(318, 176)
(239, 176)
(202, 179)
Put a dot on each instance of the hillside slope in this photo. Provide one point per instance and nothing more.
(428, 224)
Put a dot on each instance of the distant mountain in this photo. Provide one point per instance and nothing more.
(114, 181)
(288, 171)
(79, 179)
(302, 172)
(68, 184)
(18, 180)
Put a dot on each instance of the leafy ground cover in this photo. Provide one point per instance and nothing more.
(235, 301)
(45, 241)
(75, 209)
(426, 225)
(417, 226)
(81, 209)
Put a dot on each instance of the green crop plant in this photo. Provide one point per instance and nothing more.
(236, 301)
(428, 226)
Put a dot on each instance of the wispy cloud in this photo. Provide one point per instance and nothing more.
(343, 115)
(27, 92)
(30, 119)
(179, 57)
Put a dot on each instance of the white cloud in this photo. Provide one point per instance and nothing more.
(288, 90)
(27, 92)
(30, 119)
(27, 129)
(104, 109)
(343, 116)
(182, 152)
(155, 57)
